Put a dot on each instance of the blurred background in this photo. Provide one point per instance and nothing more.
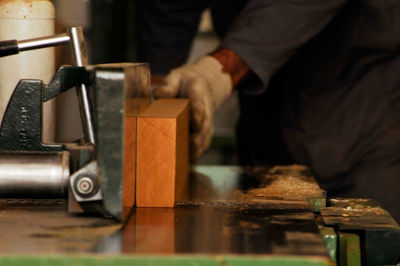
(110, 32)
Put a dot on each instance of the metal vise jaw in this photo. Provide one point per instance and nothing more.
(90, 175)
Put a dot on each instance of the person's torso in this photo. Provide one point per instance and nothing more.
(335, 87)
(335, 82)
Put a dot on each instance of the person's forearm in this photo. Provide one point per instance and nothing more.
(233, 65)
(267, 33)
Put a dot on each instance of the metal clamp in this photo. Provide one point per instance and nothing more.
(79, 56)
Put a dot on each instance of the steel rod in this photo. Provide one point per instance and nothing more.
(43, 42)
(80, 58)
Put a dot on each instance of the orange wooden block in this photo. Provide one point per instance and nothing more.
(162, 153)
(133, 107)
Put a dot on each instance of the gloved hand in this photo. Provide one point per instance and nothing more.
(206, 86)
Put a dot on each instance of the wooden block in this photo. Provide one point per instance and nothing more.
(162, 153)
(133, 107)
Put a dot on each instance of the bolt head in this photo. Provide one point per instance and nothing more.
(85, 185)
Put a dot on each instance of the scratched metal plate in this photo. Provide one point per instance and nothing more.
(226, 213)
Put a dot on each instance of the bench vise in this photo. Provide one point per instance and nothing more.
(88, 172)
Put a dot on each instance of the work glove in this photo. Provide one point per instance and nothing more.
(206, 86)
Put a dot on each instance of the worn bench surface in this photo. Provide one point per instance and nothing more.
(227, 211)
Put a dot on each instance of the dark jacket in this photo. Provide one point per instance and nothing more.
(330, 74)
(326, 91)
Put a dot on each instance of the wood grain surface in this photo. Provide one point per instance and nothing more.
(162, 153)
(133, 107)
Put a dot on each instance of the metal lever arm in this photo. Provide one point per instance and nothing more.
(12, 47)
(80, 58)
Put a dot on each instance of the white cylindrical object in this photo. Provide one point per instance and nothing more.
(26, 19)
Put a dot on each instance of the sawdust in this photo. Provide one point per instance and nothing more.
(285, 183)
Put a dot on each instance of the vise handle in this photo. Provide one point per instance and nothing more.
(12, 47)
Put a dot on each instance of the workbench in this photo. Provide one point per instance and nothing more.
(230, 216)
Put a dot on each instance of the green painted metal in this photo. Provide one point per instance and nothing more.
(382, 246)
(106, 260)
(180, 260)
(317, 204)
(330, 240)
(275, 261)
(349, 250)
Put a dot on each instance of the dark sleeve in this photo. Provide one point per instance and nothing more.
(267, 33)
(166, 30)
